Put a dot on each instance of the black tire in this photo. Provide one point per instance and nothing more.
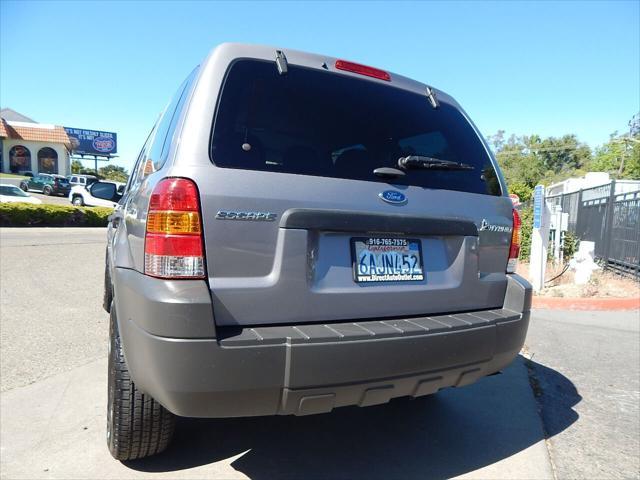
(137, 425)
(77, 201)
(24, 187)
(47, 190)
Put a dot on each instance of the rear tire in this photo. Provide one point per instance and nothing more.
(77, 201)
(137, 425)
(24, 187)
(46, 191)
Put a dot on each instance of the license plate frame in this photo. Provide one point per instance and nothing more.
(386, 245)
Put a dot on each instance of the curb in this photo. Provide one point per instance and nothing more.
(562, 303)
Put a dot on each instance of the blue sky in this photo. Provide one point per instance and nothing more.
(540, 67)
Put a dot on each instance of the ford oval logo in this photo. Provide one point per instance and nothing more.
(393, 197)
(103, 144)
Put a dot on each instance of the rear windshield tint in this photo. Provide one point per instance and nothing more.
(311, 122)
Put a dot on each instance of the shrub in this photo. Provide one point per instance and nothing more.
(30, 215)
(524, 191)
(526, 215)
(569, 246)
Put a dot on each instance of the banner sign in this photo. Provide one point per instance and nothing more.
(92, 142)
(538, 199)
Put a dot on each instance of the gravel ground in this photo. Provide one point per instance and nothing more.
(51, 318)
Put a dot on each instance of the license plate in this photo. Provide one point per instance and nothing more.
(380, 259)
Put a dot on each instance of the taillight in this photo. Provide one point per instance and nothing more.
(173, 246)
(363, 70)
(514, 248)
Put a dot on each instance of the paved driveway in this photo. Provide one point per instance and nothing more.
(600, 353)
(52, 199)
(53, 377)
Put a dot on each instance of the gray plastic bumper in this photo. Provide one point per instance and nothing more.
(175, 354)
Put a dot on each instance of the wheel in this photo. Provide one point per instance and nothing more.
(46, 190)
(24, 187)
(77, 201)
(137, 425)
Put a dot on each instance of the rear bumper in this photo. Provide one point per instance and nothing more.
(302, 369)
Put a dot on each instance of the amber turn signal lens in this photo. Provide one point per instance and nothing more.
(173, 223)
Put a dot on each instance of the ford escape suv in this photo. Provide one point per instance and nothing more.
(301, 233)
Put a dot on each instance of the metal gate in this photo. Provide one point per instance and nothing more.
(610, 220)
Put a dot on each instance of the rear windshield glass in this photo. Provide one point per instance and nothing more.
(311, 122)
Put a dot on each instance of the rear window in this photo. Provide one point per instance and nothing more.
(311, 122)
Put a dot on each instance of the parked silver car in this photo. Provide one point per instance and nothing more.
(302, 233)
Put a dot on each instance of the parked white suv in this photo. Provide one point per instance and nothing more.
(98, 194)
(83, 180)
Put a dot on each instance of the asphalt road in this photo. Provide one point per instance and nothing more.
(586, 369)
(11, 180)
(53, 336)
(51, 319)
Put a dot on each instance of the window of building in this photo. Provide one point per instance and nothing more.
(47, 160)
(19, 159)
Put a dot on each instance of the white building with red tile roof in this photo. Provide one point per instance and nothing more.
(29, 146)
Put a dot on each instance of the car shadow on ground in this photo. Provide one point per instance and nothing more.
(441, 436)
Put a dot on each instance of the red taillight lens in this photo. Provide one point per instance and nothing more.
(173, 242)
(177, 194)
(363, 70)
(514, 248)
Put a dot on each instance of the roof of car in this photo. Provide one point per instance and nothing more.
(226, 53)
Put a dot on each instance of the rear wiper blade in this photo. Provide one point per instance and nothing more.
(428, 163)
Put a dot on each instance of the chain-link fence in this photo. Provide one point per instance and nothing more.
(611, 220)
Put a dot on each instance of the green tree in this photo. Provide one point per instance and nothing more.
(529, 160)
(562, 155)
(517, 162)
(114, 172)
(76, 166)
(524, 191)
(620, 157)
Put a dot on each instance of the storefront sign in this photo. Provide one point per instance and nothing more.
(92, 142)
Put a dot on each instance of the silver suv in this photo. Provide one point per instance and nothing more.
(302, 233)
